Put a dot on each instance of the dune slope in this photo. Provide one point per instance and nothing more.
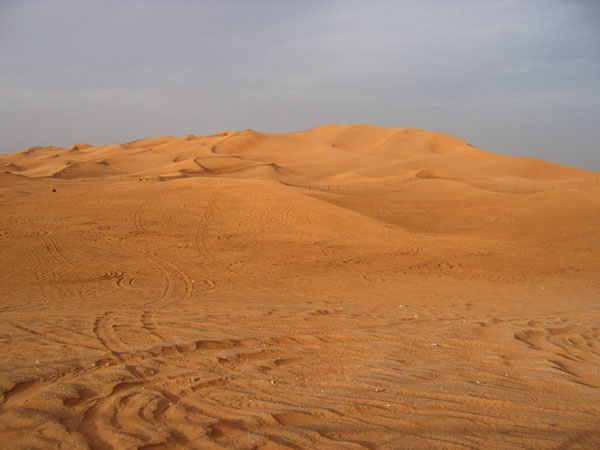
(347, 286)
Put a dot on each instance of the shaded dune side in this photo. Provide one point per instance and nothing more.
(436, 174)
(85, 170)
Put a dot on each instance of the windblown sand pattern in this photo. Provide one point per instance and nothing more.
(340, 287)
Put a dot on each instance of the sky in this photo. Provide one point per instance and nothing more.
(510, 76)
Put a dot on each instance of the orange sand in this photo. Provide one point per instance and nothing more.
(340, 287)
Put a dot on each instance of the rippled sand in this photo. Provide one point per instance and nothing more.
(342, 287)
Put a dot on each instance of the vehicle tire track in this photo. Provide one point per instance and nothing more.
(137, 220)
(54, 250)
(104, 330)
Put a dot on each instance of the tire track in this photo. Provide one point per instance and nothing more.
(158, 390)
(171, 273)
(54, 250)
(104, 330)
(137, 221)
(200, 242)
(37, 336)
(148, 325)
(42, 275)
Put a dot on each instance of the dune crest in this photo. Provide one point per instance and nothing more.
(339, 149)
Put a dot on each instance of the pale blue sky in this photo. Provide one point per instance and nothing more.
(512, 77)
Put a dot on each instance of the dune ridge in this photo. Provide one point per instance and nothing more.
(344, 149)
(347, 286)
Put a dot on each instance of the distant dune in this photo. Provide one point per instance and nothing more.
(319, 154)
(348, 286)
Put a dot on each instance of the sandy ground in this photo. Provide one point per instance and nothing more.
(341, 287)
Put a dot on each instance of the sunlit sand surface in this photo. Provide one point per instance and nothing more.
(340, 287)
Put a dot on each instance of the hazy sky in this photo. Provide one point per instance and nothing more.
(513, 77)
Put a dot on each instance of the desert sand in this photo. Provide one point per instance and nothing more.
(348, 286)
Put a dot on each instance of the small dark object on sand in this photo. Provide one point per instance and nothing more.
(53, 189)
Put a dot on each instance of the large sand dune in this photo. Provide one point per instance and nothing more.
(347, 286)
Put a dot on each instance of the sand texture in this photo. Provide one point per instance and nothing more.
(347, 286)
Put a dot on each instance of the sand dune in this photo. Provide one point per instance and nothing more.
(331, 150)
(348, 286)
